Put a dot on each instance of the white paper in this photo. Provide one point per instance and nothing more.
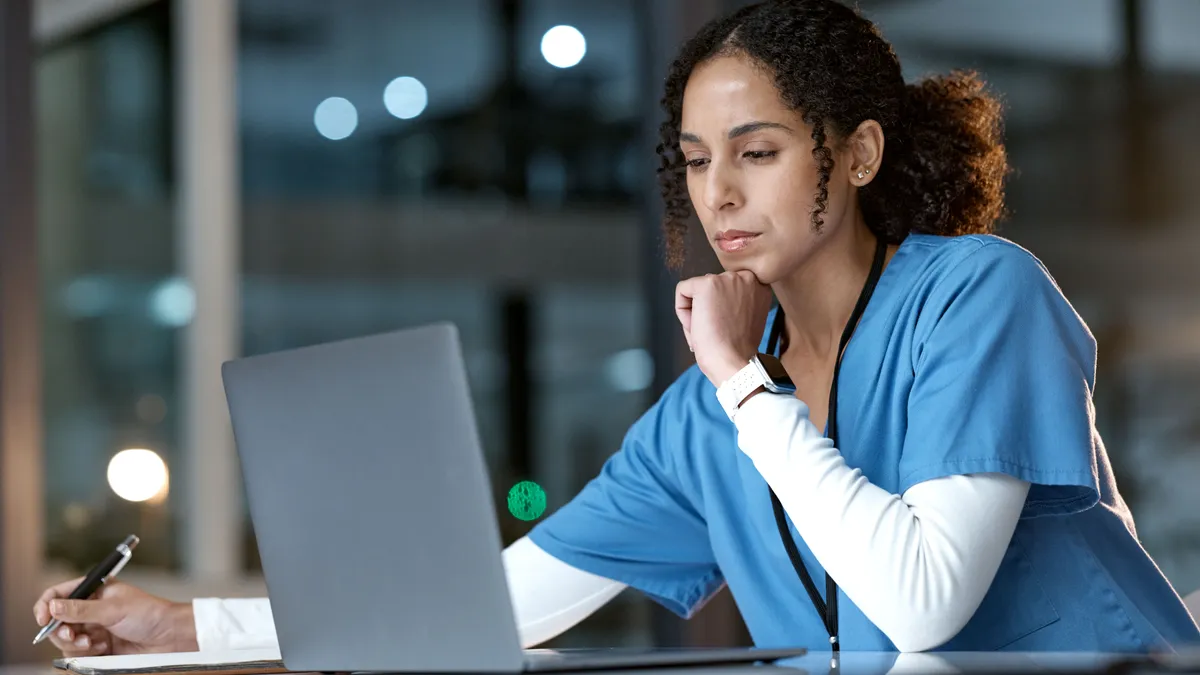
(143, 661)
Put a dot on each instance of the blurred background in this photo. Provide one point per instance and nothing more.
(185, 181)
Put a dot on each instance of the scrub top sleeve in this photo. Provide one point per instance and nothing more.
(1004, 371)
(637, 522)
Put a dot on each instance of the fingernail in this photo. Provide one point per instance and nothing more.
(102, 647)
(64, 633)
(82, 642)
(56, 606)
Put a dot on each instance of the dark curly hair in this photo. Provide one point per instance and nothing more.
(944, 167)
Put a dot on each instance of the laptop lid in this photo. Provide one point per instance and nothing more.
(371, 503)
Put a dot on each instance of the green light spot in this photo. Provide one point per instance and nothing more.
(527, 500)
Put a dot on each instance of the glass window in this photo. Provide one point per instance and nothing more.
(471, 161)
(111, 306)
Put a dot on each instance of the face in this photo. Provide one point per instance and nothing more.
(751, 174)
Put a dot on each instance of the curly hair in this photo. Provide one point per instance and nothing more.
(944, 169)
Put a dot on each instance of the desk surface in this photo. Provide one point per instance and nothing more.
(879, 663)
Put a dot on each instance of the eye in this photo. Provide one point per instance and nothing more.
(698, 163)
(759, 154)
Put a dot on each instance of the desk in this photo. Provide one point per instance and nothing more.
(887, 663)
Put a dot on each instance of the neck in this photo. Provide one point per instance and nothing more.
(819, 297)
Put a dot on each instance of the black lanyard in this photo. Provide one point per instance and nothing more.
(827, 610)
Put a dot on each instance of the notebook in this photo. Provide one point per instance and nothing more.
(215, 662)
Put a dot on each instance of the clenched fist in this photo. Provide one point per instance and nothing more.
(722, 317)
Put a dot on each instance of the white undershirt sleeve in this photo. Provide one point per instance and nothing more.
(233, 623)
(917, 565)
(548, 596)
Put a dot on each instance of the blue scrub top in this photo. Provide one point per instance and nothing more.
(968, 359)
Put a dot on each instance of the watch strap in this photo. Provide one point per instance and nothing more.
(733, 391)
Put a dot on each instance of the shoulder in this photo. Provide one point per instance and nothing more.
(976, 285)
(965, 257)
(982, 270)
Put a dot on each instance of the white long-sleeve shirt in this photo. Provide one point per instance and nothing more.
(917, 564)
(549, 596)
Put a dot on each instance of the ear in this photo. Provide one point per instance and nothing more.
(864, 152)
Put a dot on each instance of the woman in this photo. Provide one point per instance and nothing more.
(929, 477)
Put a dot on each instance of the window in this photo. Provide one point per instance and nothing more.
(111, 305)
(411, 162)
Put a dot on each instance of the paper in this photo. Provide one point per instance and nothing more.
(234, 660)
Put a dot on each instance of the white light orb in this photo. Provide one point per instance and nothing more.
(137, 474)
(335, 118)
(173, 303)
(563, 46)
(405, 97)
(630, 370)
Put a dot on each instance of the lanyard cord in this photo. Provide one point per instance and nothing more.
(827, 610)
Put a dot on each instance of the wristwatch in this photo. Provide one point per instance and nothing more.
(763, 370)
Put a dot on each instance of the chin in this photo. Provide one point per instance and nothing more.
(765, 268)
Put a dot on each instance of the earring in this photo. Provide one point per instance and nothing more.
(861, 175)
(868, 171)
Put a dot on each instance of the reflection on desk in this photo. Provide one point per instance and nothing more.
(891, 663)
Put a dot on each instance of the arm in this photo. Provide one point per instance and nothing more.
(549, 597)
(917, 565)
(233, 623)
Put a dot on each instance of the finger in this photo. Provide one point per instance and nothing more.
(684, 292)
(75, 641)
(94, 633)
(70, 651)
(685, 320)
(41, 608)
(93, 639)
(64, 638)
(747, 275)
(92, 650)
(99, 612)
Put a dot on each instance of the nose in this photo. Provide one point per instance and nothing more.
(721, 191)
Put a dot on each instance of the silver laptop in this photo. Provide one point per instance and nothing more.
(375, 519)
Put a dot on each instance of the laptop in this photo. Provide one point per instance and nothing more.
(370, 500)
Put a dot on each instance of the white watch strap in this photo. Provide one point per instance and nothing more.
(734, 390)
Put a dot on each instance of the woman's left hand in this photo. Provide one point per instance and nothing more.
(722, 317)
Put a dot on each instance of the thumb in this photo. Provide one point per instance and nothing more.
(102, 612)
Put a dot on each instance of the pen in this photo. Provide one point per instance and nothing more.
(100, 574)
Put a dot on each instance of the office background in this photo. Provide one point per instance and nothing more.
(185, 181)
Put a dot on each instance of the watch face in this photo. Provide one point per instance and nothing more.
(774, 371)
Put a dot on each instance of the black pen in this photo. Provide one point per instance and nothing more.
(100, 574)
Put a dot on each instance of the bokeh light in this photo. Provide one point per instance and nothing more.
(405, 97)
(137, 475)
(335, 118)
(563, 46)
(173, 303)
(630, 370)
(151, 408)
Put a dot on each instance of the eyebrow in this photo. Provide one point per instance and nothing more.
(740, 130)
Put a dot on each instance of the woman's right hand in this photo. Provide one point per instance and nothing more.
(118, 619)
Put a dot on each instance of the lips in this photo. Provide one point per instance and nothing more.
(732, 241)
